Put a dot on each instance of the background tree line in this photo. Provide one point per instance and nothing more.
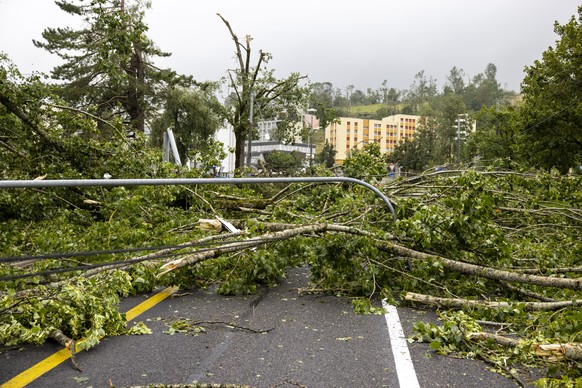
(540, 128)
(109, 77)
(481, 90)
(109, 72)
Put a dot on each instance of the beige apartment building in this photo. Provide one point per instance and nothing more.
(352, 133)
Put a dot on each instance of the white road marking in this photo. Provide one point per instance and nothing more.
(404, 366)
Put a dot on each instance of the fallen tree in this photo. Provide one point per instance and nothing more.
(455, 245)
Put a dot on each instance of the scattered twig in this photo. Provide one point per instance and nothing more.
(233, 326)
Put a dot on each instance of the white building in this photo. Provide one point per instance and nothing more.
(267, 132)
(226, 137)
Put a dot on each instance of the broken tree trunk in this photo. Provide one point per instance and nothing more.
(68, 343)
(501, 340)
(276, 226)
(558, 352)
(146, 259)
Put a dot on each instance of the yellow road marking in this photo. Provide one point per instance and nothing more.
(149, 303)
(62, 355)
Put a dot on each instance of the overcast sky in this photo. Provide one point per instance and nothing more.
(358, 42)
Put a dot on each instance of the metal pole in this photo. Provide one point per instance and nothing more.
(187, 181)
(310, 151)
(250, 135)
(166, 146)
(458, 140)
(311, 111)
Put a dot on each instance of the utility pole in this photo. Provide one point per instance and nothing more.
(458, 140)
(250, 134)
(311, 112)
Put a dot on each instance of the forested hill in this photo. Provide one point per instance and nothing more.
(424, 95)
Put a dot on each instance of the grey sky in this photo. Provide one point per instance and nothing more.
(344, 42)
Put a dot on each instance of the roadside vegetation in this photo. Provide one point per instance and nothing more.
(491, 241)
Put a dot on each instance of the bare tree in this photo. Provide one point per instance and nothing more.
(273, 98)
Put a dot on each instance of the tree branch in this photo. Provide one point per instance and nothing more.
(486, 272)
(459, 303)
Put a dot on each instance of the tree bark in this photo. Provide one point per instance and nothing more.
(558, 352)
(135, 92)
(501, 340)
(68, 343)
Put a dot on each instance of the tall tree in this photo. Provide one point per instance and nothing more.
(283, 99)
(484, 90)
(358, 97)
(321, 93)
(551, 115)
(495, 138)
(191, 114)
(384, 93)
(108, 62)
(455, 81)
(321, 98)
(326, 156)
(389, 97)
(41, 135)
(444, 118)
(372, 96)
(422, 90)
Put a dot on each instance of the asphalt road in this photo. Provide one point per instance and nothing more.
(276, 338)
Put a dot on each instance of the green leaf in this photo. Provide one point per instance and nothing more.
(139, 328)
(435, 345)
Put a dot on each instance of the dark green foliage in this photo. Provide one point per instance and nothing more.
(341, 266)
(551, 115)
(367, 164)
(192, 116)
(84, 308)
(326, 156)
(108, 69)
(495, 139)
(285, 163)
